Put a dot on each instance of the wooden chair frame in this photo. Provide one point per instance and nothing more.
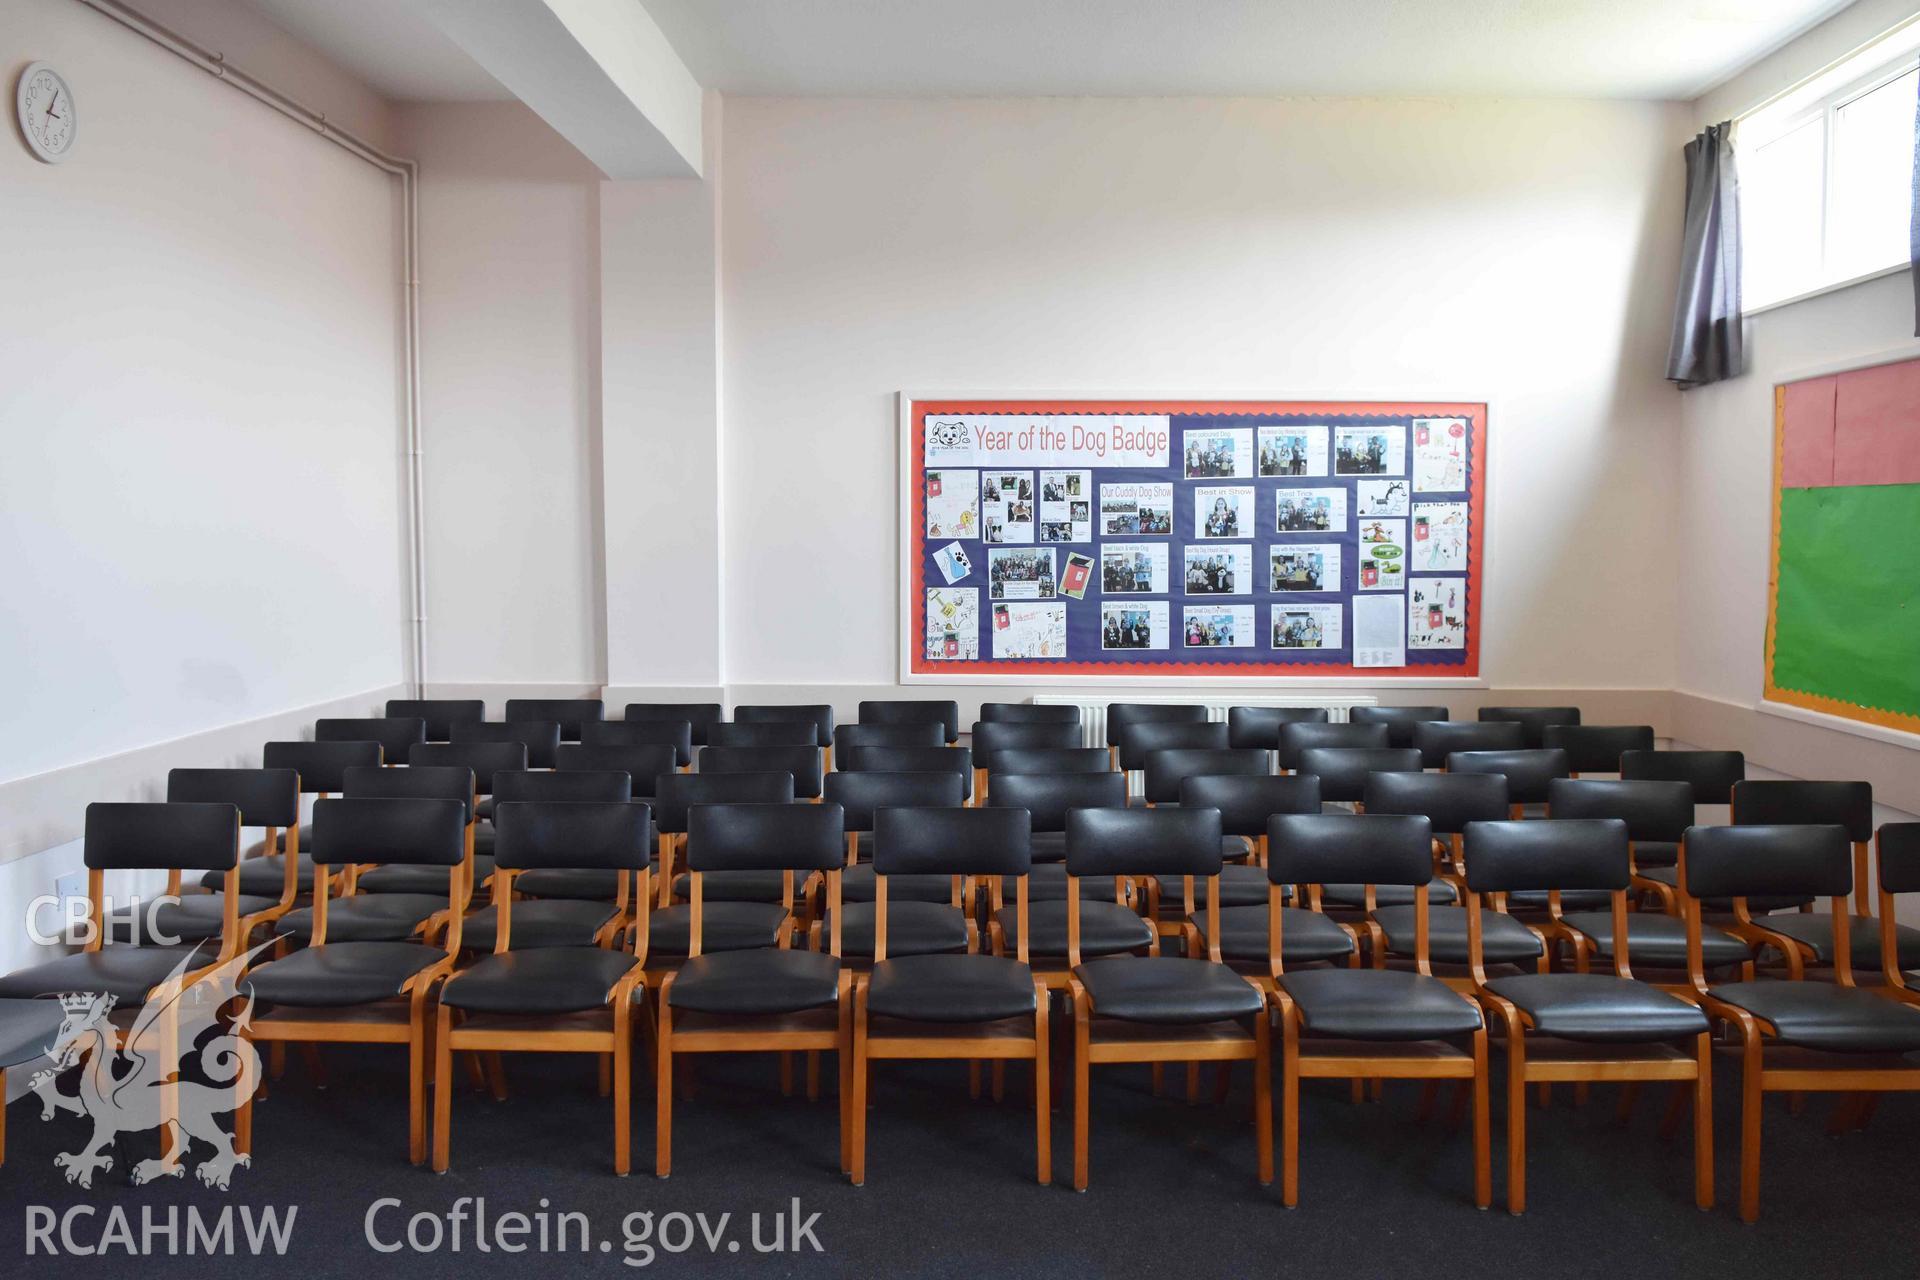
(998, 1041)
(779, 1033)
(607, 1032)
(1223, 1042)
(1578, 1062)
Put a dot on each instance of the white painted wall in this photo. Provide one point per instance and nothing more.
(1518, 252)
(509, 224)
(199, 390)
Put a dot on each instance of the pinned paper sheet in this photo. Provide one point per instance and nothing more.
(1380, 631)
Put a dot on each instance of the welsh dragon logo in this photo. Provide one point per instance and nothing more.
(122, 1086)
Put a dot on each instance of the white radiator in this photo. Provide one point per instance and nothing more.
(1093, 710)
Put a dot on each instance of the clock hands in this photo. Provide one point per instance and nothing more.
(53, 102)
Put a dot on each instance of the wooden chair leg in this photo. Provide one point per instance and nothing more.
(623, 1088)
(1482, 1136)
(1516, 1122)
(1042, 1090)
(496, 1074)
(1289, 1111)
(998, 1080)
(1082, 1072)
(1676, 1108)
(316, 1065)
(843, 1097)
(786, 1075)
(1751, 1102)
(3, 1121)
(476, 1073)
(663, 1094)
(813, 1075)
(1703, 1122)
(857, 1105)
(443, 1090)
(605, 1061)
(417, 1081)
(1262, 1092)
(1193, 1084)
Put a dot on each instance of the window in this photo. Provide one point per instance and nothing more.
(1826, 176)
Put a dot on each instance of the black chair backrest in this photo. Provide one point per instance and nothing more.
(1767, 803)
(909, 760)
(819, 715)
(484, 758)
(677, 734)
(1167, 768)
(1143, 842)
(911, 733)
(1577, 853)
(646, 765)
(410, 831)
(1447, 800)
(1343, 771)
(1050, 760)
(1399, 720)
(1653, 811)
(697, 714)
(861, 794)
(1138, 740)
(678, 793)
(1028, 713)
(761, 733)
(952, 842)
(558, 786)
(1246, 802)
(990, 736)
(1533, 721)
(568, 713)
(1899, 849)
(1300, 736)
(1349, 848)
(439, 713)
(766, 837)
(144, 836)
(395, 734)
(1122, 714)
(914, 711)
(1050, 797)
(1259, 727)
(1438, 739)
(1787, 860)
(426, 782)
(1711, 774)
(265, 797)
(605, 835)
(1597, 748)
(803, 763)
(540, 737)
(1528, 772)
(321, 765)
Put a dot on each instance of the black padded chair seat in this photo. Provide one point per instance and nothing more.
(582, 884)
(856, 885)
(1305, 936)
(725, 926)
(258, 849)
(549, 980)
(951, 988)
(369, 917)
(1047, 882)
(412, 878)
(1655, 853)
(738, 886)
(1658, 940)
(1167, 990)
(1669, 876)
(1821, 1015)
(1863, 935)
(125, 973)
(1439, 894)
(1106, 928)
(1379, 1004)
(1240, 886)
(28, 1028)
(1503, 940)
(763, 981)
(1570, 900)
(340, 974)
(195, 917)
(1049, 846)
(264, 877)
(1600, 1007)
(913, 928)
(538, 925)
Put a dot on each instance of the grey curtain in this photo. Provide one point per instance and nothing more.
(1913, 224)
(1707, 343)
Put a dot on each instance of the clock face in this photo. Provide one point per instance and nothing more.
(44, 106)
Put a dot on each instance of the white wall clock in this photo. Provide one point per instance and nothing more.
(44, 106)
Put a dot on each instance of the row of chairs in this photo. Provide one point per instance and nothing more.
(1054, 813)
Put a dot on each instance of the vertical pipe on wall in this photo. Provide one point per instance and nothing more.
(408, 173)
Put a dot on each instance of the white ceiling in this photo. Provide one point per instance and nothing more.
(888, 48)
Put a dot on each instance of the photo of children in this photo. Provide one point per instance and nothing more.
(1437, 613)
(1306, 626)
(1133, 569)
(1020, 573)
(1066, 515)
(1310, 511)
(1133, 626)
(1223, 513)
(1219, 571)
(1217, 627)
(1133, 509)
(1370, 451)
(1293, 451)
(1006, 506)
(1219, 453)
(1308, 567)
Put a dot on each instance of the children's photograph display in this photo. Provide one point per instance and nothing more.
(1222, 538)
